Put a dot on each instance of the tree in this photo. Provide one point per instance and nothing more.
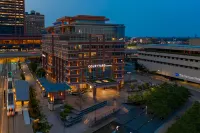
(132, 86)
(161, 100)
(189, 122)
(140, 87)
(136, 98)
(33, 66)
(22, 76)
(146, 85)
(41, 72)
(19, 65)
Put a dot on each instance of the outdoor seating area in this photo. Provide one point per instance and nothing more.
(53, 91)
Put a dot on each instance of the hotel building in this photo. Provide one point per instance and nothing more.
(177, 61)
(85, 52)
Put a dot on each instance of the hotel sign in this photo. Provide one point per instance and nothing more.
(99, 66)
(43, 55)
(186, 77)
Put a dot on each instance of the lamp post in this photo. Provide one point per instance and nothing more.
(95, 100)
(146, 110)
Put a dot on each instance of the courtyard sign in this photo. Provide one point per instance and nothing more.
(98, 66)
(43, 55)
(187, 77)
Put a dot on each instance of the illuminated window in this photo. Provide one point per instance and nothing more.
(93, 54)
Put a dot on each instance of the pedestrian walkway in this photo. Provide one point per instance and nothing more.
(20, 125)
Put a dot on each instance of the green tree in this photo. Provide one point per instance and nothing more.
(33, 66)
(161, 100)
(41, 72)
(189, 122)
(22, 76)
(132, 86)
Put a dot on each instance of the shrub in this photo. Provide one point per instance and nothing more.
(68, 106)
(67, 111)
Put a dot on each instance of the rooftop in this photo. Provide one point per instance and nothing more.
(53, 87)
(22, 90)
(180, 46)
(83, 17)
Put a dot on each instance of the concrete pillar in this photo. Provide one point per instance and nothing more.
(118, 87)
(94, 92)
(50, 105)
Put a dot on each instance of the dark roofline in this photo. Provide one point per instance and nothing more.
(83, 17)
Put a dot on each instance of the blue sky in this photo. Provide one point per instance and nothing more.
(141, 17)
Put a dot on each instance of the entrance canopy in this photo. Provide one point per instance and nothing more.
(100, 83)
(53, 87)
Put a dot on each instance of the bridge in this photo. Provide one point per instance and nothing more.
(131, 54)
(20, 54)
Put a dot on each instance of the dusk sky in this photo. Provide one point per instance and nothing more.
(141, 17)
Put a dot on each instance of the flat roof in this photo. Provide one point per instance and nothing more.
(26, 117)
(82, 17)
(53, 87)
(22, 90)
(179, 46)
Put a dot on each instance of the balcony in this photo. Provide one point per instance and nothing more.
(71, 66)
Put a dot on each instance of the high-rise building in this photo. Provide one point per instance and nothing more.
(34, 23)
(85, 52)
(12, 17)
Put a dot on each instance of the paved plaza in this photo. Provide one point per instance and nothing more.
(113, 97)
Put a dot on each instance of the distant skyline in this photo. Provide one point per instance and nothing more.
(157, 18)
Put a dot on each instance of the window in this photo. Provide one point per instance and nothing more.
(86, 54)
(93, 54)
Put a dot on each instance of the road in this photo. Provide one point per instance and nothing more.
(2, 87)
(8, 124)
